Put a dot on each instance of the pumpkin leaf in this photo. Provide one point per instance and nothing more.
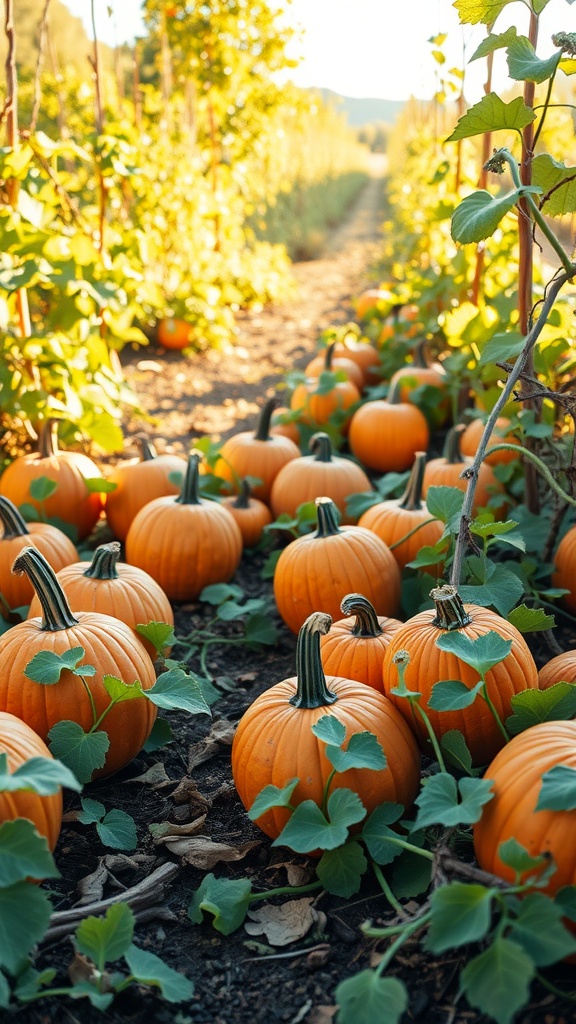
(217, 593)
(226, 899)
(46, 667)
(382, 842)
(119, 691)
(491, 114)
(272, 796)
(42, 775)
(24, 917)
(456, 751)
(116, 828)
(30, 981)
(565, 898)
(558, 790)
(160, 735)
(330, 730)
(429, 554)
(516, 856)
(42, 488)
(308, 829)
(363, 751)
(23, 854)
(341, 870)
(529, 620)
(481, 654)
(453, 695)
(443, 800)
(496, 586)
(149, 969)
(258, 629)
(159, 634)
(539, 930)
(557, 703)
(98, 485)
(445, 503)
(177, 690)
(497, 981)
(228, 611)
(461, 914)
(82, 752)
(105, 939)
(360, 999)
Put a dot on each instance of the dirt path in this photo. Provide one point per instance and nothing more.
(218, 394)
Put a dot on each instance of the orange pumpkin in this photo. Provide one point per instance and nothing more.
(447, 471)
(285, 422)
(561, 668)
(20, 743)
(428, 664)
(173, 333)
(354, 647)
(274, 742)
(564, 575)
(364, 354)
(318, 569)
(259, 455)
(472, 435)
(54, 545)
(71, 501)
(419, 373)
(319, 402)
(385, 434)
(139, 481)
(321, 473)
(331, 362)
(251, 514)
(373, 300)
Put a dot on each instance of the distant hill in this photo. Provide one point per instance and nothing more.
(360, 112)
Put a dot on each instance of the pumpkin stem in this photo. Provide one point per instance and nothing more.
(329, 357)
(312, 690)
(366, 624)
(48, 438)
(450, 612)
(451, 451)
(189, 494)
(103, 564)
(393, 396)
(321, 447)
(11, 519)
(55, 607)
(243, 499)
(147, 449)
(411, 500)
(263, 428)
(327, 518)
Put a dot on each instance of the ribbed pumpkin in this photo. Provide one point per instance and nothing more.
(516, 773)
(564, 575)
(446, 471)
(173, 333)
(385, 434)
(419, 373)
(71, 501)
(54, 545)
(316, 571)
(185, 542)
(285, 422)
(107, 585)
(139, 481)
(397, 518)
(429, 665)
(318, 402)
(373, 300)
(109, 645)
(274, 742)
(251, 514)
(472, 435)
(20, 743)
(561, 668)
(261, 455)
(329, 360)
(355, 646)
(321, 473)
(364, 355)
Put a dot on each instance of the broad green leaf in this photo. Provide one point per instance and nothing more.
(258, 629)
(30, 981)
(492, 528)
(497, 982)
(558, 790)
(530, 620)
(161, 735)
(24, 917)
(481, 653)
(42, 488)
(445, 503)
(476, 12)
(501, 348)
(491, 114)
(499, 588)
(494, 42)
(118, 830)
(160, 634)
(46, 667)
(429, 554)
(23, 853)
(456, 751)
(524, 65)
(558, 184)
(539, 930)
(229, 611)
(411, 875)
(106, 939)
(453, 695)
(461, 914)
(80, 751)
(382, 842)
(557, 703)
(119, 691)
(516, 856)
(361, 999)
(97, 485)
(445, 801)
(308, 829)
(92, 810)
(272, 796)
(478, 216)
(5, 994)
(363, 751)
(565, 898)
(341, 870)
(84, 990)
(330, 730)
(178, 690)
(41, 775)
(226, 899)
(149, 969)
(217, 593)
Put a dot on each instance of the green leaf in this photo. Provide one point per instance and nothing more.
(558, 184)
(226, 899)
(29, 982)
(539, 930)
(118, 830)
(41, 775)
(530, 620)
(258, 629)
(481, 654)
(478, 216)
(178, 690)
(502, 347)
(558, 790)
(341, 870)
(272, 796)
(382, 842)
(84, 990)
(445, 503)
(308, 829)
(456, 751)
(524, 65)
(330, 730)
(565, 898)
(106, 939)
(46, 667)
(149, 969)
(453, 695)
(98, 485)
(491, 114)
(217, 593)
(497, 981)
(42, 488)
(24, 917)
(361, 999)
(475, 12)
(461, 914)
(119, 691)
(363, 751)
(159, 634)
(80, 751)
(557, 703)
(92, 811)
(493, 42)
(516, 856)
(160, 735)
(445, 801)
(23, 853)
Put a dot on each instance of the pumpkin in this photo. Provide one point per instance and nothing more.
(185, 542)
(333, 363)
(139, 481)
(419, 373)
(564, 574)
(405, 524)
(354, 647)
(107, 585)
(71, 501)
(318, 569)
(55, 545)
(274, 742)
(109, 645)
(318, 401)
(364, 354)
(259, 455)
(429, 665)
(516, 773)
(447, 471)
(20, 743)
(285, 422)
(472, 435)
(251, 514)
(309, 476)
(373, 300)
(173, 333)
(561, 668)
(385, 434)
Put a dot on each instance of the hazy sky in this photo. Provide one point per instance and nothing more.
(369, 48)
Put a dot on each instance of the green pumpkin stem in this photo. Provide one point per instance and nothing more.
(311, 689)
(419, 355)
(55, 608)
(263, 428)
(393, 396)
(329, 357)
(103, 564)
(11, 519)
(189, 495)
(451, 451)
(321, 447)
(327, 518)
(450, 612)
(48, 438)
(411, 500)
(366, 624)
(147, 449)
(243, 499)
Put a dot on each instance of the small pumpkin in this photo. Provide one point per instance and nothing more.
(107, 585)
(258, 455)
(472, 435)
(251, 514)
(109, 645)
(561, 668)
(323, 399)
(173, 333)
(71, 501)
(385, 434)
(318, 569)
(405, 524)
(285, 422)
(52, 542)
(429, 665)
(419, 373)
(185, 542)
(330, 361)
(139, 481)
(321, 473)
(447, 471)
(373, 300)
(274, 742)
(355, 645)
(20, 743)
(564, 575)
(364, 354)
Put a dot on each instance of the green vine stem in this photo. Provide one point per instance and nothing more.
(12, 522)
(327, 518)
(189, 495)
(104, 562)
(263, 427)
(367, 624)
(402, 659)
(569, 267)
(311, 689)
(321, 447)
(56, 613)
(541, 466)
